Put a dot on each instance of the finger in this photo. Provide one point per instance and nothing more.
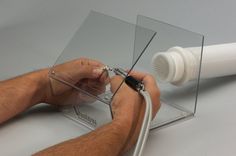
(147, 79)
(150, 86)
(115, 83)
(97, 87)
(104, 77)
(96, 63)
(88, 71)
(70, 97)
(86, 98)
(138, 75)
(87, 61)
(92, 87)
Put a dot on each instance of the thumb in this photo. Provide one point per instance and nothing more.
(115, 83)
(88, 71)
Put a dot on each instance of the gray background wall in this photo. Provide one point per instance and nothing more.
(34, 32)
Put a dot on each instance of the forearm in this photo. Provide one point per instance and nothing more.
(20, 93)
(107, 140)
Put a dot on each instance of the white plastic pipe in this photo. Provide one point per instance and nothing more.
(179, 65)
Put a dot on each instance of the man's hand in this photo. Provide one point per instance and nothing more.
(129, 106)
(84, 73)
(20, 93)
(24, 91)
(117, 137)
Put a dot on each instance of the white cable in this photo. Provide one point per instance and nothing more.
(138, 86)
(145, 125)
(142, 132)
(148, 102)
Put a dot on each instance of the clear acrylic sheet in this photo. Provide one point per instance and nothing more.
(177, 102)
(121, 44)
(110, 41)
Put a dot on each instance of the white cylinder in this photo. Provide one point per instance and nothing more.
(179, 65)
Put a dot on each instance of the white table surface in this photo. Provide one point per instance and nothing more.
(34, 32)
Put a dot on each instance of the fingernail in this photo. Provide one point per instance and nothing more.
(97, 72)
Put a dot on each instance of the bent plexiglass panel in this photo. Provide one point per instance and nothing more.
(105, 39)
(174, 59)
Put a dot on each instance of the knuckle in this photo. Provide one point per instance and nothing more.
(116, 78)
(150, 77)
(157, 92)
(78, 61)
(81, 60)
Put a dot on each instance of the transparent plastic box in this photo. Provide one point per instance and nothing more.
(178, 102)
(117, 43)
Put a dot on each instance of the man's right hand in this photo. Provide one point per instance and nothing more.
(128, 106)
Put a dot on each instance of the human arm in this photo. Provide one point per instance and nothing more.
(22, 92)
(121, 134)
(18, 94)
